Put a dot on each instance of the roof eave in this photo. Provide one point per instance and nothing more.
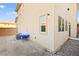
(18, 7)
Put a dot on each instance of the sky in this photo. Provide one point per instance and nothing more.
(7, 12)
(78, 16)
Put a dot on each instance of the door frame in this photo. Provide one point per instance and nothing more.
(69, 30)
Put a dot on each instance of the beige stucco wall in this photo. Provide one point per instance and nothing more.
(28, 22)
(70, 16)
(30, 19)
(21, 22)
(60, 37)
(73, 20)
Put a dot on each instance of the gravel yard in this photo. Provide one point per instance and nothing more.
(70, 48)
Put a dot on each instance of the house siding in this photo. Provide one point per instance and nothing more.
(28, 22)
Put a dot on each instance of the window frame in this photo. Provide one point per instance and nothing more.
(42, 23)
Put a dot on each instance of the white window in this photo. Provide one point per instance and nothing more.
(60, 24)
(43, 24)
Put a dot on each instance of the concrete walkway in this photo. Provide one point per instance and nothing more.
(70, 48)
(9, 46)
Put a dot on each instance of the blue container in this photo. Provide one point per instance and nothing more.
(23, 36)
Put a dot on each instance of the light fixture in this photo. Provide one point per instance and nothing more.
(68, 9)
(48, 14)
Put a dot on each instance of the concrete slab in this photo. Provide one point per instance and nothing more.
(9, 46)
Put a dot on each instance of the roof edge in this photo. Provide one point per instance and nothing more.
(18, 6)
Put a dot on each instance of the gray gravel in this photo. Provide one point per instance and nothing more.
(70, 48)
